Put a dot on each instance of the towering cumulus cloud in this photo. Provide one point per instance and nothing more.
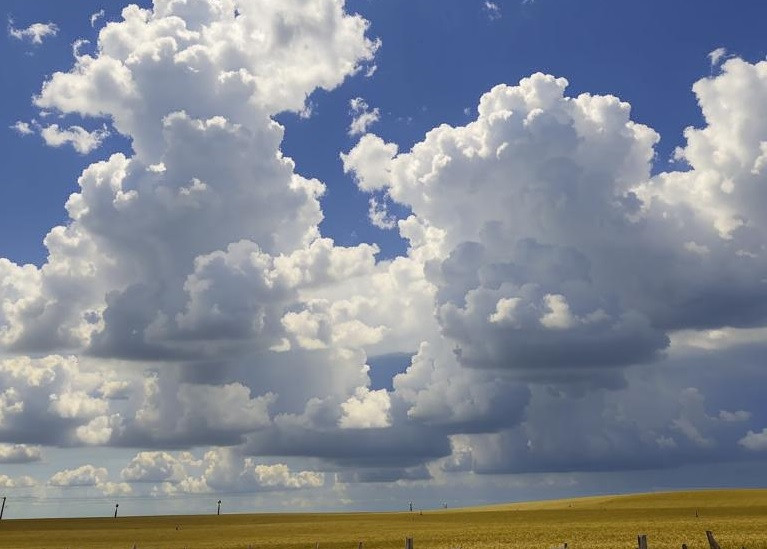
(178, 281)
(190, 301)
(558, 263)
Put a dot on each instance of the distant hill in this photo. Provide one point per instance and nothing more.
(742, 497)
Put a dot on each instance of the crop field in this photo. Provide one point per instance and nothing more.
(738, 518)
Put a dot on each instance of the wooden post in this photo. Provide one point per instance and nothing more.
(218, 511)
(711, 541)
(684, 546)
(2, 509)
(359, 545)
(408, 543)
(116, 506)
(642, 541)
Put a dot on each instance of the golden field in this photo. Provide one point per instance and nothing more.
(738, 518)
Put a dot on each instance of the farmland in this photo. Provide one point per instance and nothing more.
(737, 517)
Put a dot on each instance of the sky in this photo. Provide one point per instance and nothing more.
(328, 255)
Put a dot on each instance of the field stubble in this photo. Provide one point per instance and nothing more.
(738, 519)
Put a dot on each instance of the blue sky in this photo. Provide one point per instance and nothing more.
(436, 64)
(537, 266)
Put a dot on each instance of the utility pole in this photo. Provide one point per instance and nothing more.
(2, 509)
(218, 512)
(116, 506)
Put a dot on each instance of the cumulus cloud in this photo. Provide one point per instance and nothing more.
(279, 476)
(366, 410)
(755, 441)
(379, 215)
(23, 481)
(85, 475)
(22, 128)
(83, 141)
(34, 33)
(154, 467)
(221, 470)
(521, 259)
(195, 267)
(547, 270)
(19, 453)
(47, 400)
(363, 116)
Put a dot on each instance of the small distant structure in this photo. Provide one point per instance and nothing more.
(116, 507)
(218, 511)
(2, 509)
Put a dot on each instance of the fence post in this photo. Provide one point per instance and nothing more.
(711, 541)
(642, 541)
(359, 545)
(2, 508)
(684, 546)
(408, 543)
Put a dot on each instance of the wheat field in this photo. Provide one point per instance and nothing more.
(738, 518)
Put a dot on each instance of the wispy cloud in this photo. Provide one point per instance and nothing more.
(716, 56)
(363, 116)
(492, 10)
(81, 139)
(96, 16)
(22, 128)
(34, 33)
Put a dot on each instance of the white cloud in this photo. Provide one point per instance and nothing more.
(558, 315)
(492, 10)
(504, 310)
(717, 55)
(192, 280)
(366, 410)
(23, 481)
(115, 488)
(379, 215)
(154, 467)
(83, 141)
(51, 398)
(279, 476)
(225, 470)
(99, 430)
(734, 417)
(19, 453)
(22, 128)
(363, 116)
(96, 16)
(85, 475)
(755, 441)
(34, 33)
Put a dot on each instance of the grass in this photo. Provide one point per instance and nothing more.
(737, 517)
